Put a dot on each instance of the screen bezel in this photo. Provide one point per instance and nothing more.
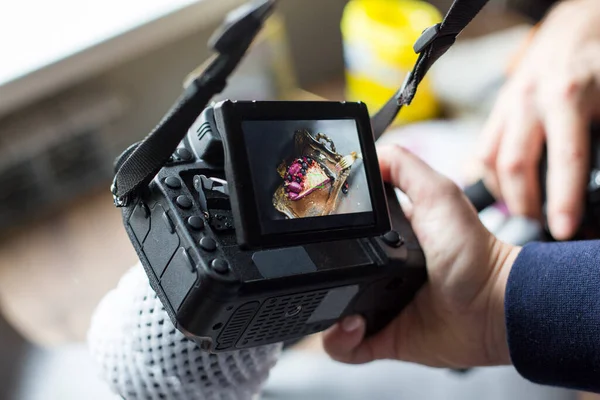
(229, 116)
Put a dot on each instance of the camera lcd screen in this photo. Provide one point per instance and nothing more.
(307, 174)
(301, 172)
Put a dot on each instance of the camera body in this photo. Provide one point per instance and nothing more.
(233, 271)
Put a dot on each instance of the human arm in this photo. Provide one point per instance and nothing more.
(553, 314)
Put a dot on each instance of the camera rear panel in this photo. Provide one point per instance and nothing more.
(226, 298)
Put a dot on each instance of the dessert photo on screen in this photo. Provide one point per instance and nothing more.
(307, 168)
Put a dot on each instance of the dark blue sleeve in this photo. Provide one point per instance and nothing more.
(553, 314)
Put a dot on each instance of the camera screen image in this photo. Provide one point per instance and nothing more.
(307, 169)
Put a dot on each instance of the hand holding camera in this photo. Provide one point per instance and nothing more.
(457, 319)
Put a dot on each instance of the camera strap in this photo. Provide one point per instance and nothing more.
(140, 164)
(432, 44)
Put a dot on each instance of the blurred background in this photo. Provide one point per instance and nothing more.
(80, 81)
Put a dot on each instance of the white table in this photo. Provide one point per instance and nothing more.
(46, 45)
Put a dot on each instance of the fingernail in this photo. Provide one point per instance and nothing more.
(562, 226)
(351, 324)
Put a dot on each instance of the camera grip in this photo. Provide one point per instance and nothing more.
(481, 198)
(402, 252)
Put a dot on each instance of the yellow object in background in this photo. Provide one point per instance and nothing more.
(378, 40)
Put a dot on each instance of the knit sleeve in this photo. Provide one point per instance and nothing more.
(553, 314)
(141, 355)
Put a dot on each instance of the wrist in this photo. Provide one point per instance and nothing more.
(497, 343)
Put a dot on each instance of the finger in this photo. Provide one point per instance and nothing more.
(413, 176)
(568, 167)
(405, 204)
(518, 160)
(494, 126)
(344, 341)
(490, 140)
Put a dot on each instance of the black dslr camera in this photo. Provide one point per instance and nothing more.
(261, 222)
(266, 225)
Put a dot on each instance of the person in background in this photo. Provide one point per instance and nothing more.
(486, 302)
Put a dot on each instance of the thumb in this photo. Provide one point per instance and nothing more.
(414, 177)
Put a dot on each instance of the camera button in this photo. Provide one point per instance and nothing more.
(292, 311)
(184, 154)
(173, 182)
(219, 266)
(195, 223)
(208, 244)
(392, 238)
(184, 202)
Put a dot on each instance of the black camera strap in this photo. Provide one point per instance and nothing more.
(432, 44)
(139, 164)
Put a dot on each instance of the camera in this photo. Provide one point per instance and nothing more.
(263, 222)
(270, 221)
